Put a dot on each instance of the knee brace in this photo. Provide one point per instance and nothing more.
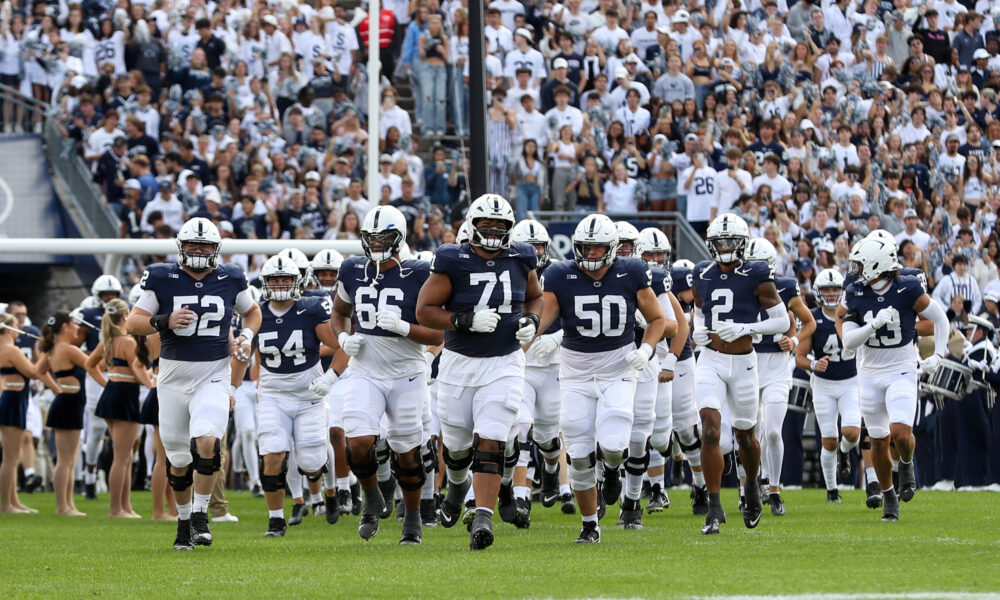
(382, 452)
(409, 478)
(612, 458)
(693, 445)
(637, 465)
(179, 483)
(491, 463)
(209, 465)
(459, 463)
(551, 448)
(582, 472)
(362, 470)
(512, 454)
(661, 442)
(429, 455)
(273, 483)
(315, 476)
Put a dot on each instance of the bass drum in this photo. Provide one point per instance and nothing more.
(800, 398)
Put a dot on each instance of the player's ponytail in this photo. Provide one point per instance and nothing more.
(112, 326)
(51, 329)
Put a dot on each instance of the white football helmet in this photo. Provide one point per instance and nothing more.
(595, 230)
(464, 232)
(829, 279)
(301, 261)
(280, 266)
(871, 258)
(627, 234)
(883, 236)
(683, 263)
(727, 238)
(534, 233)
(106, 284)
(199, 230)
(493, 207)
(761, 249)
(324, 262)
(134, 294)
(652, 240)
(382, 233)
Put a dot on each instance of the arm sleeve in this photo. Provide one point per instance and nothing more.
(148, 302)
(855, 335)
(667, 306)
(343, 294)
(936, 314)
(775, 323)
(244, 302)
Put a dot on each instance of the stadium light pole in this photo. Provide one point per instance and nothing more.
(477, 101)
(374, 81)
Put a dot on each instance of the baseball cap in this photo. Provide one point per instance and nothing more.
(270, 20)
(212, 194)
(728, 62)
(691, 138)
(312, 176)
(631, 58)
(803, 264)
(560, 63)
(385, 158)
(119, 142)
(132, 184)
(524, 32)
(664, 30)
(992, 296)
(680, 16)
(980, 53)
(226, 226)
(910, 212)
(621, 72)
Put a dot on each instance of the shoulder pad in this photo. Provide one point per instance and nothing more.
(525, 252)
(679, 279)
(233, 270)
(700, 268)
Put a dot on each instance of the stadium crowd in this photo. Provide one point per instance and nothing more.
(816, 123)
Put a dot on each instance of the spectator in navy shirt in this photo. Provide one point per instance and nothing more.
(214, 47)
(436, 176)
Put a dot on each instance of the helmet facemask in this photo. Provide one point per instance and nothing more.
(281, 292)
(198, 260)
(382, 245)
(490, 238)
(581, 253)
(728, 249)
(323, 276)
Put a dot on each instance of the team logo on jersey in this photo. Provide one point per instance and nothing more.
(174, 276)
(463, 255)
(571, 276)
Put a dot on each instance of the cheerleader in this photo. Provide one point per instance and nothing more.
(119, 403)
(68, 365)
(15, 371)
(148, 353)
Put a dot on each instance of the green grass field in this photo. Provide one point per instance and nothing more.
(945, 542)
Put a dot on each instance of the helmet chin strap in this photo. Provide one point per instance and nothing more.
(874, 285)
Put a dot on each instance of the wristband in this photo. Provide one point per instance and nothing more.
(343, 336)
(812, 365)
(534, 319)
(159, 322)
(669, 362)
(232, 390)
(247, 333)
(795, 341)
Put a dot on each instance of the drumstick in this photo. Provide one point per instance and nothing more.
(76, 316)
(20, 332)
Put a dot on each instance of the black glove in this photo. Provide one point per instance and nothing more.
(462, 321)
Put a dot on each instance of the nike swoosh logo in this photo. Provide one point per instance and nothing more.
(681, 374)
(412, 378)
(223, 276)
(900, 291)
(620, 275)
(749, 368)
(548, 499)
(299, 312)
(216, 380)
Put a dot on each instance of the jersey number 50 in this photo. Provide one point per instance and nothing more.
(607, 322)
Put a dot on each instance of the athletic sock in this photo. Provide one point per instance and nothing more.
(315, 498)
(590, 518)
(482, 510)
(471, 494)
(352, 478)
(200, 503)
(828, 460)
(870, 475)
(564, 488)
(29, 472)
(184, 511)
(895, 466)
(458, 476)
(846, 446)
(343, 483)
(90, 477)
(698, 478)
(522, 492)
(714, 500)
(278, 513)
(384, 471)
(427, 491)
(656, 480)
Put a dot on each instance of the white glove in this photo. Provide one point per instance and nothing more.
(351, 344)
(244, 352)
(322, 384)
(730, 332)
(640, 321)
(884, 317)
(544, 346)
(526, 330)
(485, 321)
(930, 364)
(391, 321)
(977, 365)
(638, 358)
(700, 337)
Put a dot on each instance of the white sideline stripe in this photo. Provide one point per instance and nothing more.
(899, 596)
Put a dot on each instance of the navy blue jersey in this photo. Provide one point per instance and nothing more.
(598, 315)
(288, 342)
(826, 342)
(730, 296)
(479, 283)
(681, 281)
(863, 303)
(557, 323)
(661, 285)
(397, 287)
(918, 273)
(788, 288)
(27, 343)
(92, 316)
(212, 299)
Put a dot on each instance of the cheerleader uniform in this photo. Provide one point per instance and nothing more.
(14, 402)
(66, 411)
(120, 399)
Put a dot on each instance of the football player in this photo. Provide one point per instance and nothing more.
(834, 383)
(485, 295)
(597, 296)
(190, 304)
(375, 321)
(882, 309)
(734, 301)
(774, 371)
(539, 412)
(292, 384)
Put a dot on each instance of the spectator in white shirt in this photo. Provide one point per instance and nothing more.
(732, 182)
(393, 116)
(780, 188)
(167, 204)
(619, 193)
(920, 238)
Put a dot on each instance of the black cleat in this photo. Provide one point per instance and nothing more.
(601, 506)
(299, 511)
(257, 491)
(676, 472)
(522, 519)
(568, 507)
(833, 496)
(753, 508)
(712, 521)
(332, 510)
(481, 534)
(874, 492)
(658, 499)
(699, 500)
(318, 508)
(777, 504)
(200, 533)
(388, 489)
(550, 487)
(345, 502)
(907, 481)
(356, 498)
(612, 485)
(428, 514)
(90, 491)
(470, 514)
(590, 534)
(32, 483)
(506, 503)
(183, 539)
(451, 506)
(276, 527)
(631, 515)
(843, 465)
(890, 506)
(368, 526)
(412, 534)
